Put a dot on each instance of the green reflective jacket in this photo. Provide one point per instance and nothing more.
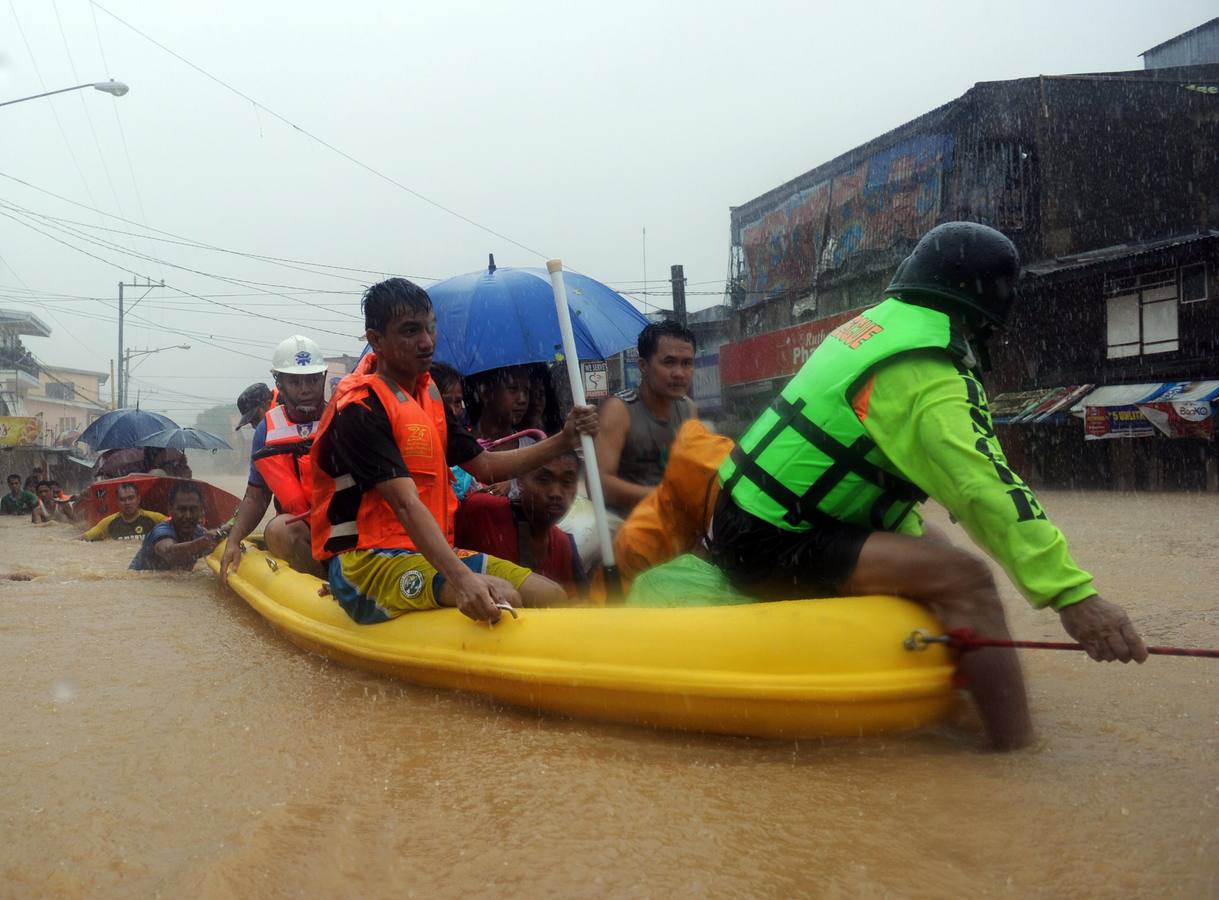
(808, 458)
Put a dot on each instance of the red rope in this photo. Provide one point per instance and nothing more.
(964, 640)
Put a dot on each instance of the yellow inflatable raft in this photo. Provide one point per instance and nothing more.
(801, 669)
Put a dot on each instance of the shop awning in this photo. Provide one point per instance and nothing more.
(1172, 408)
(1036, 406)
(1133, 394)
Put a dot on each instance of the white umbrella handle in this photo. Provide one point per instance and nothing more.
(591, 472)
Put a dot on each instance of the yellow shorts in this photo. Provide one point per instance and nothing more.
(377, 585)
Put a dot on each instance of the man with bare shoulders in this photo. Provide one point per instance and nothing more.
(821, 496)
(638, 426)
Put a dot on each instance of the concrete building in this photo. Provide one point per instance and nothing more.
(18, 368)
(65, 402)
(1106, 183)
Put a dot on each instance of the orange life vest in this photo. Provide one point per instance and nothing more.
(340, 523)
(283, 462)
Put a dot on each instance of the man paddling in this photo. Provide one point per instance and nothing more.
(280, 469)
(821, 495)
(383, 506)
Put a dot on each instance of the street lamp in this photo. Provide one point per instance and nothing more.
(126, 366)
(116, 88)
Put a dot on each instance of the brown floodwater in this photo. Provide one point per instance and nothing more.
(157, 738)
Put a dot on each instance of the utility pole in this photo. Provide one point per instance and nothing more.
(122, 375)
(678, 280)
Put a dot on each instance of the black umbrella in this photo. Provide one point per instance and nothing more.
(184, 439)
(124, 428)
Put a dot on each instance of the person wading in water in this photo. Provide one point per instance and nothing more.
(821, 496)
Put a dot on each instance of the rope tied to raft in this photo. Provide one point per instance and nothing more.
(963, 640)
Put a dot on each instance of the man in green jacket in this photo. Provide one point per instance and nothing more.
(822, 495)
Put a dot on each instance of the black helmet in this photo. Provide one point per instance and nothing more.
(961, 267)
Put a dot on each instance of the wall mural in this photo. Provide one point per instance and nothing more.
(891, 198)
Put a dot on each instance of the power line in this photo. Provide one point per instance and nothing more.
(287, 262)
(85, 106)
(135, 186)
(54, 318)
(172, 238)
(54, 111)
(57, 296)
(168, 286)
(50, 222)
(314, 137)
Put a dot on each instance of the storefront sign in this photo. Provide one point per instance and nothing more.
(1173, 418)
(777, 354)
(1181, 418)
(1105, 422)
(596, 379)
(18, 430)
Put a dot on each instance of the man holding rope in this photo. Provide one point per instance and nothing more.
(820, 497)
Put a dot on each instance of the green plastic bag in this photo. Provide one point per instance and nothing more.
(685, 581)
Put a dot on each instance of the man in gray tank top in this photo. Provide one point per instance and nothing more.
(638, 426)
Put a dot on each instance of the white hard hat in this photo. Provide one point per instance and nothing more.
(298, 355)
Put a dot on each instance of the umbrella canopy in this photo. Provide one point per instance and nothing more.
(185, 439)
(506, 317)
(124, 428)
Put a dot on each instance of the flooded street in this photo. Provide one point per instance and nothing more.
(159, 738)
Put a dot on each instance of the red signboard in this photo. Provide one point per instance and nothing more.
(777, 354)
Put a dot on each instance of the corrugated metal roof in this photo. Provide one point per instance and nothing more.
(1116, 252)
(1183, 34)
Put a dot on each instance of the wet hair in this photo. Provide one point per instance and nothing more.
(649, 338)
(574, 455)
(390, 298)
(480, 381)
(548, 416)
(184, 487)
(445, 376)
(127, 486)
(42, 484)
(14, 475)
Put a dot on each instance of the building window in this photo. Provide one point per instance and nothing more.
(61, 390)
(1193, 283)
(1141, 314)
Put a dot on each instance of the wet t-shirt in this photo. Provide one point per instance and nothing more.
(147, 558)
(114, 528)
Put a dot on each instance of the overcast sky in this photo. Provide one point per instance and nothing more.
(567, 128)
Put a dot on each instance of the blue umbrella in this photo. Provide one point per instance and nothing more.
(506, 317)
(185, 439)
(124, 428)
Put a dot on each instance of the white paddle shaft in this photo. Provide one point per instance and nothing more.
(591, 473)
